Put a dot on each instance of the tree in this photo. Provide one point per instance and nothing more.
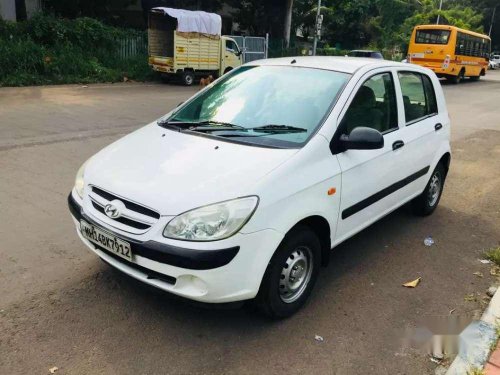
(259, 17)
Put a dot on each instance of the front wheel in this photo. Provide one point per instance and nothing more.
(291, 274)
(426, 203)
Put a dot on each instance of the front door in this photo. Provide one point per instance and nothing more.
(371, 179)
(231, 57)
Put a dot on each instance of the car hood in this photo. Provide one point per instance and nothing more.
(173, 172)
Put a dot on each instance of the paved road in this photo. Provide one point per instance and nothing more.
(60, 306)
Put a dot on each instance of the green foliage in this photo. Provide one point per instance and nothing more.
(47, 50)
(259, 16)
(385, 24)
(493, 255)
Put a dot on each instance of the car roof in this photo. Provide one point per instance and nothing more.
(336, 63)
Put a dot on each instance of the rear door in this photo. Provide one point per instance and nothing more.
(423, 127)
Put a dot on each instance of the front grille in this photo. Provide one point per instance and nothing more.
(130, 205)
(123, 220)
(135, 218)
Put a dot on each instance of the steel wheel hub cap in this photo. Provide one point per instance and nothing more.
(295, 274)
(434, 189)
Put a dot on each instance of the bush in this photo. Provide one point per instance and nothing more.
(331, 52)
(46, 50)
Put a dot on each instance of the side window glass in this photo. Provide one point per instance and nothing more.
(374, 106)
(231, 46)
(430, 94)
(419, 97)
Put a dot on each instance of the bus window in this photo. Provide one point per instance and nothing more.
(432, 36)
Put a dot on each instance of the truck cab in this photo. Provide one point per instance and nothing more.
(231, 55)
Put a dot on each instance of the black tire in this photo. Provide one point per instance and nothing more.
(458, 78)
(426, 203)
(187, 78)
(228, 70)
(274, 298)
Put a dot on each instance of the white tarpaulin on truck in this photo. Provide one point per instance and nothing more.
(189, 21)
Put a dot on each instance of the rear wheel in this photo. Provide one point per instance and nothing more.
(426, 203)
(291, 274)
(458, 78)
(187, 78)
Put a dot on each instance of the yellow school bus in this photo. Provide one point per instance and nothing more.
(450, 52)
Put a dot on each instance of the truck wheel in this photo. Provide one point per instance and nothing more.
(228, 70)
(188, 78)
(291, 274)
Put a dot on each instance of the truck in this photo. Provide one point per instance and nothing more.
(188, 45)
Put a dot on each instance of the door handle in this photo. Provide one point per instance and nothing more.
(438, 126)
(397, 144)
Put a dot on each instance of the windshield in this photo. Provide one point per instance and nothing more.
(278, 106)
(432, 36)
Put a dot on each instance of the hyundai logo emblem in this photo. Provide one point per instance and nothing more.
(114, 209)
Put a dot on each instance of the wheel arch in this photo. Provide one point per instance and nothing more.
(446, 160)
(320, 226)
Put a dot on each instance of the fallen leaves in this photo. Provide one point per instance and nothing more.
(470, 298)
(412, 284)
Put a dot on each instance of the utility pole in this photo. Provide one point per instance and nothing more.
(317, 26)
(439, 14)
(492, 19)
(288, 21)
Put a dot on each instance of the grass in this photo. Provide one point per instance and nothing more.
(476, 371)
(493, 255)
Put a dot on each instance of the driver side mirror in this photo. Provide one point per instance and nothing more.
(362, 138)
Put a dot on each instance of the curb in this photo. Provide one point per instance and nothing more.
(476, 340)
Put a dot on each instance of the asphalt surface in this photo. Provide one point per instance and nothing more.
(61, 306)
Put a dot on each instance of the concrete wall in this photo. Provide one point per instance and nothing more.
(8, 10)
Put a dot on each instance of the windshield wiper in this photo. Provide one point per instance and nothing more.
(216, 126)
(208, 125)
(174, 124)
(272, 128)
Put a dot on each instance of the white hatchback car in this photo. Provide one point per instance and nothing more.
(242, 191)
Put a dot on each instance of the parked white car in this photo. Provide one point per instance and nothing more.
(494, 62)
(241, 192)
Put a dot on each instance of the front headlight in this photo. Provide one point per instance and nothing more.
(213, 222)
(79, 182)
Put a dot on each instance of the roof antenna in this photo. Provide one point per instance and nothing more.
(293, 61)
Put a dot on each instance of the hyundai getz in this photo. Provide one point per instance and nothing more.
(242, 191)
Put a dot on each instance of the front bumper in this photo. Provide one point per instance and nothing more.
(230, 272)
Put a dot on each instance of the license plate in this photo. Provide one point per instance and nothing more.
(106, 240)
